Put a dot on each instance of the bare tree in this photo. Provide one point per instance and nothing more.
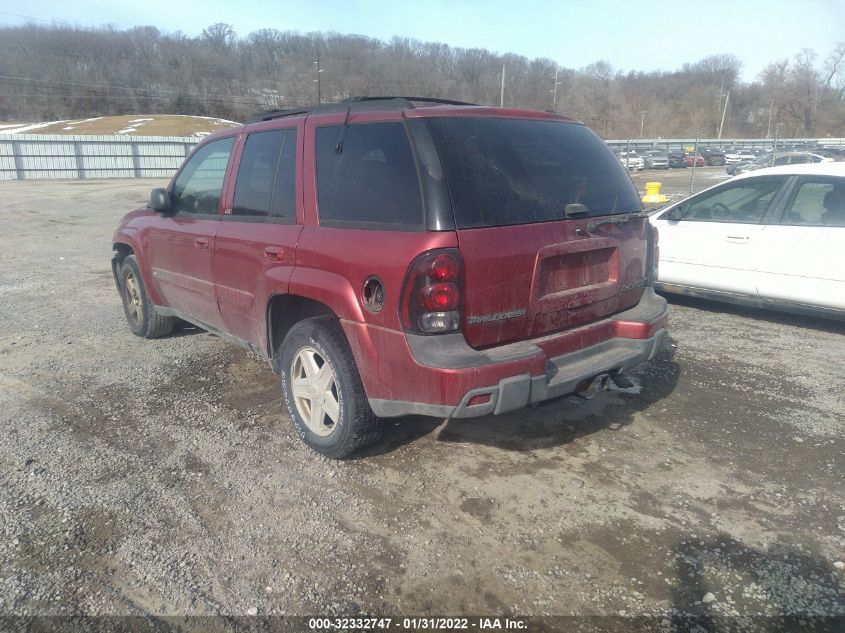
(52, 72)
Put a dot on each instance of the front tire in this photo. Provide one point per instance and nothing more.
(322, 389)
(139, 310)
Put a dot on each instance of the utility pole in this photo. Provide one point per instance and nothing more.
(502, 95)
(769, 129)
(319, 70)
(775, 143)
(642, 122)
(554, 99)
(694, 161)
(722, 124)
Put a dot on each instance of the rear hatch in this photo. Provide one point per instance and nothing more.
(529, 198)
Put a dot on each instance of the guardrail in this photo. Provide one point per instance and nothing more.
(750, 143)
(43, 156)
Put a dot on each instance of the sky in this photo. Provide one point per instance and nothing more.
(639, 35)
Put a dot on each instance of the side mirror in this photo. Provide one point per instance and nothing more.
(160, 200)
(675, 214)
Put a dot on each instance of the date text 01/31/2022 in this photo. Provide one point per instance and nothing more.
(415, 624)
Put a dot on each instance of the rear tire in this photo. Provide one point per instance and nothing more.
(139, 310)
(322, 389)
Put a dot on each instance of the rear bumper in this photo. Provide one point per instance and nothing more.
(451, 379)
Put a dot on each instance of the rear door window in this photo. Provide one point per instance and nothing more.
(515, 171)
(817, 202)
(257, 173)
(266, 180)
(284, 191)
(372, 181)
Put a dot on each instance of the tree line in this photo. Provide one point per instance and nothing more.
(65, 72)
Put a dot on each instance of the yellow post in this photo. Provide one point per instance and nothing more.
(652, 194)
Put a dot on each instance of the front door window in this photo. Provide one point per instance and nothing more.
(199, 185)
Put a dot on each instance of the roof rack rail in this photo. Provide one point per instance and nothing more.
(404, 98)
(346, 104)
(276, 114)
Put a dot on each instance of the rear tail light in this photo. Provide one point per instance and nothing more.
(431, 295)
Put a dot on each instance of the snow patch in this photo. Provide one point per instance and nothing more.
(32, 126)
(226, 122)
(127, 130)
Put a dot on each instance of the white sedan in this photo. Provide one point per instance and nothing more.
(773, 237)
(631, 160)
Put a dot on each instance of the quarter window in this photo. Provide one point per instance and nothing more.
(745, 202)
(372, 180)
(198, 186)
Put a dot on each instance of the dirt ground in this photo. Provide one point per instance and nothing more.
(163, 478)
(680, 183)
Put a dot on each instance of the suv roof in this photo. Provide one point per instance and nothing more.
(422, 106)
(356, 103)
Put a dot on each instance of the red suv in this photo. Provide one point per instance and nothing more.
(396, 256)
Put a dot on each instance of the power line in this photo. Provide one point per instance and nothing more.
(30, 17)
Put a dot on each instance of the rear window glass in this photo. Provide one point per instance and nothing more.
(516, 171)
(373, 180)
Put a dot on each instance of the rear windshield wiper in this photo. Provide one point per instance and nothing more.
(620, 219)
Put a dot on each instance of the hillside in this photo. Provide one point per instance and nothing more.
(130, 125)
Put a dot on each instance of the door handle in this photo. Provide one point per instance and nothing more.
(274, 253)
(740, 239)
(201, 243)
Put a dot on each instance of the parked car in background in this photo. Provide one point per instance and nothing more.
(656, 159)
(839, 149)
(764, 160)
(733, 157)
(746, 155)
(694, 159)
(379, 254)
(791, 158)
(771, 238)
(631, 160)
(676, 159)
(713, 156)
(836, 154)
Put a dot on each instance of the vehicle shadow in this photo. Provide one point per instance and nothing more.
(183, 328)
(727, 586)
(553, 423)
(760, 314)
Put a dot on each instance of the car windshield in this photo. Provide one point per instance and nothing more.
(516, 171)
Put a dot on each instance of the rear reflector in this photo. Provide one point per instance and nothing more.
(481, 398)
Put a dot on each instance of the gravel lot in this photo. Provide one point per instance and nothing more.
(676, 182)
(162, 477)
